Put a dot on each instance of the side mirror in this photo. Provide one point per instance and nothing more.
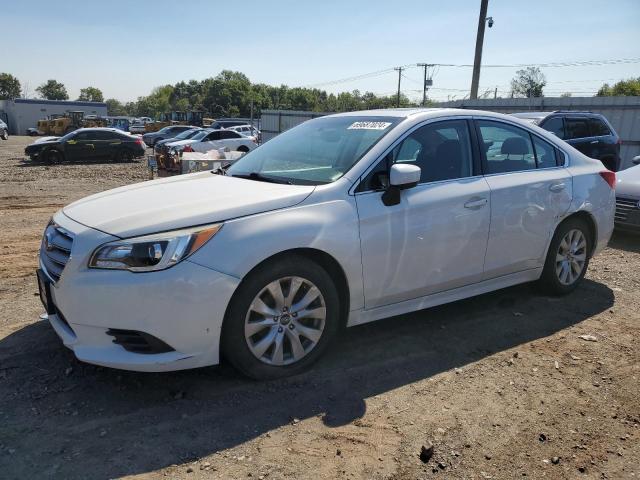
(636, 160)
(401, 177)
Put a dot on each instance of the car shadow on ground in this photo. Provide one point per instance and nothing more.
(27, 163)
(626, 241)
(113, 423)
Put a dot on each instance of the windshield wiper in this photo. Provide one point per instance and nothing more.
(261, 178)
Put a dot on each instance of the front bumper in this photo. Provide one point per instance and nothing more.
(627, 214)
(183, 306)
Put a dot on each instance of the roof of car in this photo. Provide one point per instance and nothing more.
(540, 115)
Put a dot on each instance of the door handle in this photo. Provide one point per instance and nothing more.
(475, 203)
(557, 187)
(594, 142)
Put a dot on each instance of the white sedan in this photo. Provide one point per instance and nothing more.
(342, 220)
(213, 140)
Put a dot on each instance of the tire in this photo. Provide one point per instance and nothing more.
(4, 134)
(281, 325)
(561, 276)
(243, 148)
(53, 156)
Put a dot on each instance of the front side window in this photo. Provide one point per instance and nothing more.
(442, 150)
(577, 128)
(598, 128)
(315, 152)
(506, 148)
(213, 136)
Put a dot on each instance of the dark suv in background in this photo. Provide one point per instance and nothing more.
(590, 133)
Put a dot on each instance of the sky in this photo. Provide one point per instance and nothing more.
(126, 48)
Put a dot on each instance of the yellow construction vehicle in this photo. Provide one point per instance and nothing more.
(164, 121)
(62, 124)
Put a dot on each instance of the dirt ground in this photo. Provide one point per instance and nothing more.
(502, 385)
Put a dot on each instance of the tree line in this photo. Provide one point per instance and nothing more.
(232, 94)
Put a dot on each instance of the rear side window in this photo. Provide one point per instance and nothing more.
(555, 125)
(547, 156)
(506, 148)
(212, 136)
(598, 127)
(229, 134)
(576, 128)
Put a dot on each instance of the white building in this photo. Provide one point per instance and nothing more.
(22, 113)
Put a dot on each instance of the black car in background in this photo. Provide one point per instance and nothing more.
(170, 131)
(88, 144)
(590, 133)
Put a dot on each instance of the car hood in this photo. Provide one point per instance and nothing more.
(181, 201)
(41, 144)
(46, 139)
(629, 182)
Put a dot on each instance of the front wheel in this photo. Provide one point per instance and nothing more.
(53, 156)
(568, 258)
(281, 319)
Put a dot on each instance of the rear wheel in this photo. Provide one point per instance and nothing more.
(4, 134)
(568, 258)
(243, 148)
(281, 319)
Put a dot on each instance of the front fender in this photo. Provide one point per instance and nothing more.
(330, 226)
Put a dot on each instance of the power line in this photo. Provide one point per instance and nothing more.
(584, 63)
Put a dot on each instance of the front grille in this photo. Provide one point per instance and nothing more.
(55, 250)
(625, 207)
(138, 342)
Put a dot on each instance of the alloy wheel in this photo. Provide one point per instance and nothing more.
(571, 257)
(285, 321)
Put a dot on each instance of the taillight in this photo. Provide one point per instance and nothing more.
(187, 148)
(140, 142)
(609, 177)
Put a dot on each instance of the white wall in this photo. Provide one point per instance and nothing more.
(25, 113)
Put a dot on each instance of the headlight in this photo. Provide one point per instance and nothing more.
(152, 252)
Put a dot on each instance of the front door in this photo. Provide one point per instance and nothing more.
(435, 239)
(530, 192)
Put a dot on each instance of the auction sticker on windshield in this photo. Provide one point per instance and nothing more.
(368, 125)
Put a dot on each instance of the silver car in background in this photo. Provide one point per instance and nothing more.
(628, 198)
(4, 130)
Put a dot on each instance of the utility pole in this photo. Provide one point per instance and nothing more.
(399, 69)
(477, 60)
(427, 81)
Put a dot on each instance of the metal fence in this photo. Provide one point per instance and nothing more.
(274, 122)
(622, 112)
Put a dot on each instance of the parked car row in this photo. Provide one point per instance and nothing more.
(341, 220)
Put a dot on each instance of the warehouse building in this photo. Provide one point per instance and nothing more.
(22, 113)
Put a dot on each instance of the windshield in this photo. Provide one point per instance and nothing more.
(186, 134)
(165, 129)
(317, 151)
(68, 136)
(199, 135)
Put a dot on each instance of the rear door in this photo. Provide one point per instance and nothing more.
(530, 191)
(606, 149)
(578, 135)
